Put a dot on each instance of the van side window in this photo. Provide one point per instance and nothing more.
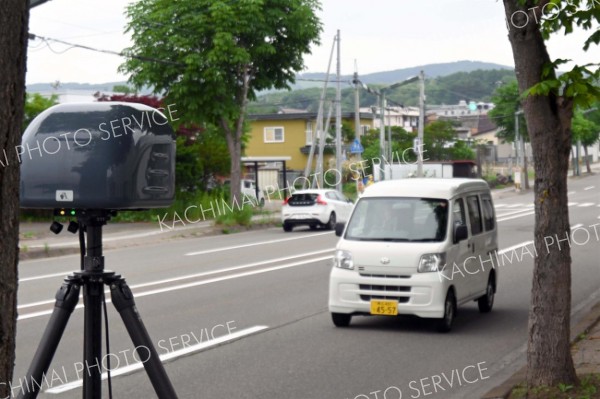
(474, 214)
(488, 213)
(458, 212)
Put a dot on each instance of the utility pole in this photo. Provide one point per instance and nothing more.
(338, 118)
(382, 135)
(518, 150)
(421, 124)
(356, 104)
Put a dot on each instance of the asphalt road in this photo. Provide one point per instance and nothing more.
(245, 316)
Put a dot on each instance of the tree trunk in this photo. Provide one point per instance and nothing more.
(548, 118)
(526, 168)
(14, 20)
(234, 145)
(587, 159)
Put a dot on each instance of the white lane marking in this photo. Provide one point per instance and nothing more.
(190, 276)
(571, 192)
(588, 188)
(586, 204)
(504, 214)
(64, 274)
(499, 205)
(189, 285)
(512, 248)
(572, 203)
(164, 357)
(210, 251)
(514, 205)
(525, 243)
(515, 216)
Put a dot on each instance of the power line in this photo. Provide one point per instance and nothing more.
(119, 53)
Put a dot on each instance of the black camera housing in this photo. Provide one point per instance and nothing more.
(102, 155)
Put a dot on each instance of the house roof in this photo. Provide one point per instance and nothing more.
(485, 125)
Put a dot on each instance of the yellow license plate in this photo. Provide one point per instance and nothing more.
(388, 308)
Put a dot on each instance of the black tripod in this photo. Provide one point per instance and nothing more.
(92, 278)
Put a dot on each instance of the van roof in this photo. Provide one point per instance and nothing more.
(425, 187)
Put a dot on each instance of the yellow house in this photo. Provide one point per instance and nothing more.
(290, 135)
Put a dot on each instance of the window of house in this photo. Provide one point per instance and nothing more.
(365, 129)
(309, 133)
(274, 135)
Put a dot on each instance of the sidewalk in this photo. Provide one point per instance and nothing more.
(585, 349)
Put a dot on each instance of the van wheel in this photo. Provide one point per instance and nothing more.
(261, 202)
(486, 301)
(445, 323)
(287, 227)
(341, 319)
(331, 223)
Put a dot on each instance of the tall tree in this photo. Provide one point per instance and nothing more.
(587, 132)
(506, 103)
(14, 21)
(215, 55)
(35, 104)
(548, 106)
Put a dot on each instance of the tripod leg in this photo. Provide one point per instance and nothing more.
(92, 343)
(122, 298)
(66, 300)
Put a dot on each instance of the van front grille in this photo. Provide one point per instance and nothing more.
(393, 291)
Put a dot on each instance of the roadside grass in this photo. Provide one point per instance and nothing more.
(589, 388)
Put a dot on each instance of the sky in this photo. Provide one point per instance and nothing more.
(380, 35)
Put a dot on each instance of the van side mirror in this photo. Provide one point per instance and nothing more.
(460, 233)
(339, 229)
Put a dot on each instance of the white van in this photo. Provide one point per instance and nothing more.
(418, 247)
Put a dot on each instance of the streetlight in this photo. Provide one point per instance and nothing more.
(381, 94)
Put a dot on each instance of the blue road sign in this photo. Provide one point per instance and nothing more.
(356, 147)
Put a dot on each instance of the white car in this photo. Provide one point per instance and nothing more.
(315, 208)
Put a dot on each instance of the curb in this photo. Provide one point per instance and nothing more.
(584, 326)
(200, 231)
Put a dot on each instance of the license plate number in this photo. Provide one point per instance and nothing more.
(388, 308)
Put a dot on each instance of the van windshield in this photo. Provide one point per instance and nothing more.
(399, 219)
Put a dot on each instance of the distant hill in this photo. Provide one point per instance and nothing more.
(66, 86)
(477, 85)
(398, 75)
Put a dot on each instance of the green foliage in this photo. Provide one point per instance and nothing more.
(507, 101)
(580, 84)
(239, 217)
(125, 89)
(35, 104)
(200, 158)
(214, 47)
(461, 150)
(584, 129)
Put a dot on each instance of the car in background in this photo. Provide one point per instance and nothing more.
(248, 189)
(315, 208)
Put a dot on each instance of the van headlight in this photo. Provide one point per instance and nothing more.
(431, 263)
(343, 260)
